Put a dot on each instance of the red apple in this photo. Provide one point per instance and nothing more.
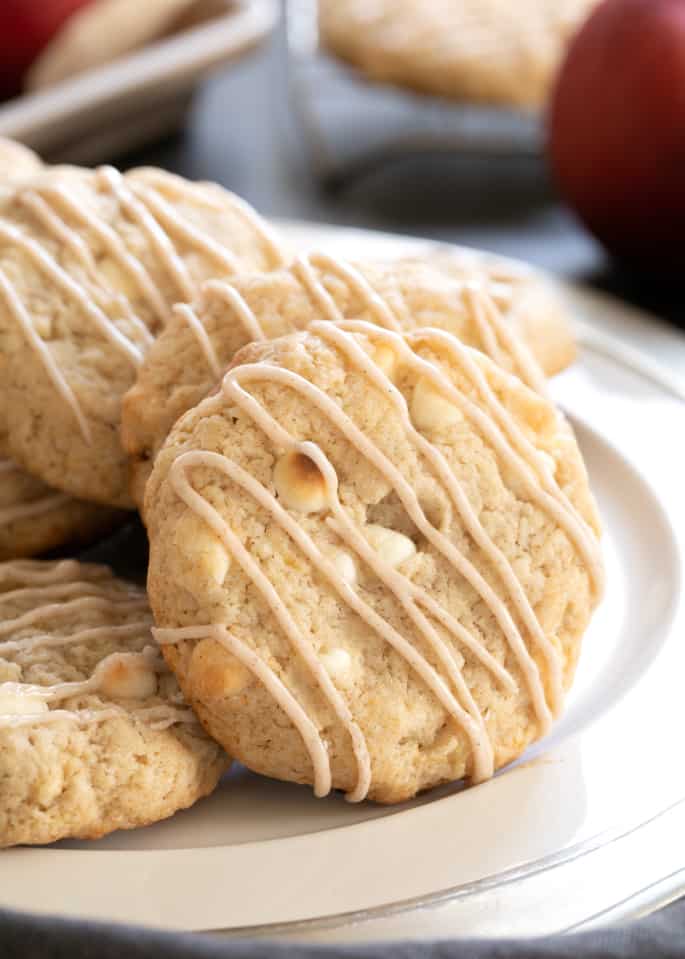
(617, 129)
(26, 26)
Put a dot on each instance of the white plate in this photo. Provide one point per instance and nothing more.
(125, 104)
(589, 824)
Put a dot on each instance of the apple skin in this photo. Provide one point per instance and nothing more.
(616, 130)
(26, 27)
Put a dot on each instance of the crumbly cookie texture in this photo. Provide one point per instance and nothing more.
(488, 51)
(373, 557)
(94, 733)
(91, 263)
(35, 518)
(483, 300)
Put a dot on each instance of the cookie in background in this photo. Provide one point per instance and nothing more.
(509, 313)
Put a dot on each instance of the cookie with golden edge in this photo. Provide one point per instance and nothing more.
(373, 557)
(481, 51)
(94, 733)
(483, 300)
(91, 263)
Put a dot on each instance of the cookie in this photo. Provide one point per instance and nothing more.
(102, 32)
(479, 298)
(91, 263)
(484, 51)
(94, 734)
(35, 518)
(17, 162)
(373, 557)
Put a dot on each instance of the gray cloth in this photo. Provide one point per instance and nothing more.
(661, 936)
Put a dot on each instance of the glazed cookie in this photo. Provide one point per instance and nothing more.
(490, 51)
(373, 557)
(91, 263)
(94, 734)
(482, 300)
(35, 518)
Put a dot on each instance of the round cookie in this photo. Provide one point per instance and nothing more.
(481, 299)
(91, 263)
(94, 734)
(373, 557)
(487, 51)
(35, 518)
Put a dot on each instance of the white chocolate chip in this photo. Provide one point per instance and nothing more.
(549, 461)
(127, 676)
(336, 662)
(385, 359)
(13, 702)
(202, 553)
(42, 324)
(345, 565)
(299, 483)
(430, 410)
(215, 674)
(393, 547)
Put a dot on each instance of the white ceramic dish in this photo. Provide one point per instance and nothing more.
(587, 826)
(126, 104)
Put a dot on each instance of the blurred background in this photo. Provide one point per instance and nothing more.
(465, 121)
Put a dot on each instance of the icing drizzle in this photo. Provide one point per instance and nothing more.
(56, 591)
(524, 636)
(497, 339)
(159, 223)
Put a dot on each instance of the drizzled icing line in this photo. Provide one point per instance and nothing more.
(156, 219)
(497, 339)
(459, 704)
(57, 590)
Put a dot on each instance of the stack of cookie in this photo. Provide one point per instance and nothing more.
(373, 549)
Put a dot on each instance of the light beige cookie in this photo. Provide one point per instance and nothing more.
(482, 300)
(373, 557)
(102, 32)
(487, 51)
(94, 734)
(91, 263)
(35, 518)
(17, 162)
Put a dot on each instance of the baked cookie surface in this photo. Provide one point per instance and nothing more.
(94, 734)
(91, 263)
(373, 557)
(35, 518)
(17, 162)
(491, 51)
(484, 301)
